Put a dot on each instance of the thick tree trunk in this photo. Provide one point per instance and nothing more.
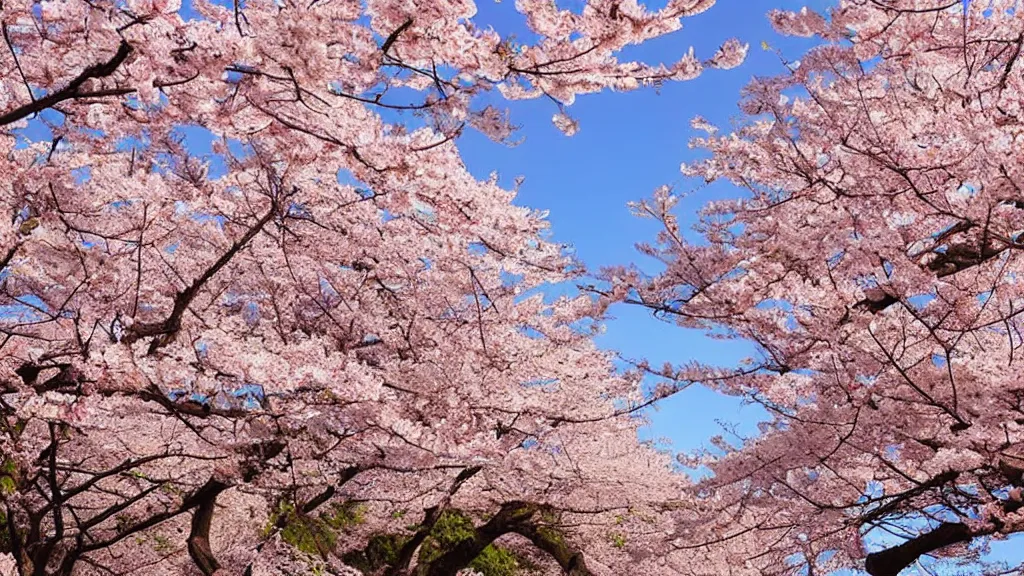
(205, 499)
(519, 518)
(570, 559)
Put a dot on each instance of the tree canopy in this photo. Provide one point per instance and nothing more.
(324, 347)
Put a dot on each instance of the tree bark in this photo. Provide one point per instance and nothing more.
(205, 500)
(892, 561)
(519, 518)
(73, 89)
(551, 541)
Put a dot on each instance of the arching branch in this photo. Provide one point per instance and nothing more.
(73, 89)
(892, 561)
(551, 541)
(205, 500)
(519, 518)
(165, 331)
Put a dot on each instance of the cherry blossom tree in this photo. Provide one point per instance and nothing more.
(323, 347)
(873, 260)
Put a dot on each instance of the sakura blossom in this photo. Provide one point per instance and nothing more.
(302, 353)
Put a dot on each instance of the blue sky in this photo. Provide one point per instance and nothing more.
(628, 145)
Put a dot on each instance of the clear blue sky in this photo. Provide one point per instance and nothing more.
(628, 145)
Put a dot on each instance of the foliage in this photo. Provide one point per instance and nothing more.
(315, 534)
(496, 561)
(8, 477)
(381, 550)
(453, 527)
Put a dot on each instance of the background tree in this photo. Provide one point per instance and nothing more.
(311, 347)
(874, 261)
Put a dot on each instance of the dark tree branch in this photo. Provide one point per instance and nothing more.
(892, 561)
(431, 516)
(390, 40)
(205, 500)
(166, 330)
(505, 521)
(547, 539)
(73, 89)
(42, 553)
(513, 517)
(12, 533)
(959, 257)
(192, 501)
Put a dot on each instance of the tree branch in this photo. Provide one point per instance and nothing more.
(210, 489)
(513, 517)
(73, 89)
(891, 561)
(199, 549)
(166, 330)
(549, 540)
